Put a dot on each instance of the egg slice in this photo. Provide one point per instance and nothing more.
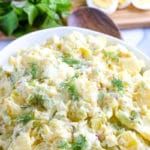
(107, 6)
(141, 4)
(124, 3)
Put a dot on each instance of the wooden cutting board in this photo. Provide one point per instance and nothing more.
(125, 18)
(131, 18)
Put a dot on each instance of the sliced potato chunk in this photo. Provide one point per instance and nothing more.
(22, 142)
(129, 141)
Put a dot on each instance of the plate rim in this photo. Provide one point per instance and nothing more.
(8, 50)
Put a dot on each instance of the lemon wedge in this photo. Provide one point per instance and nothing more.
(141, 4)
(107, 6)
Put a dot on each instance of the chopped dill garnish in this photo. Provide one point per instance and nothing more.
(79, 143)
(70, 86)
(117, 84)
(25, 118)
(63, 144)
(34, 70)
(39, 100)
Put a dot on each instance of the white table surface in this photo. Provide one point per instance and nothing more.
(135, 37)
(139, 38)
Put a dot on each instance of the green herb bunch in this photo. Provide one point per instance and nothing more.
(19, 17)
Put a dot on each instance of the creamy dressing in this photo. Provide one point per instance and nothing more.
(75, 93)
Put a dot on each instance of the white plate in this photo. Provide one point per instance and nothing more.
(38, 37)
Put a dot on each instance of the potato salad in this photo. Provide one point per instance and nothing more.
(76, 92)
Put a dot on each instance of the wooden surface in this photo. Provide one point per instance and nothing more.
(91, 18)
(126, 18)
(131, 18)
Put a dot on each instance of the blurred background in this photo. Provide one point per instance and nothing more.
(20, 17)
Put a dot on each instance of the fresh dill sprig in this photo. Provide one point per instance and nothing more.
(39, 100)
(70, 86)
(25, 118)
(79, 143)
(118, 84)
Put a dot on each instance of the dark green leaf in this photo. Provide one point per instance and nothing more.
(34, 1)
(32, 12)
(46, 9)
(20, 13)
(5, 7)
(9, 22)
(48, 23)
(43, 7)
(61, 5)
(15, 19)
(21, 30)
(50, 3)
